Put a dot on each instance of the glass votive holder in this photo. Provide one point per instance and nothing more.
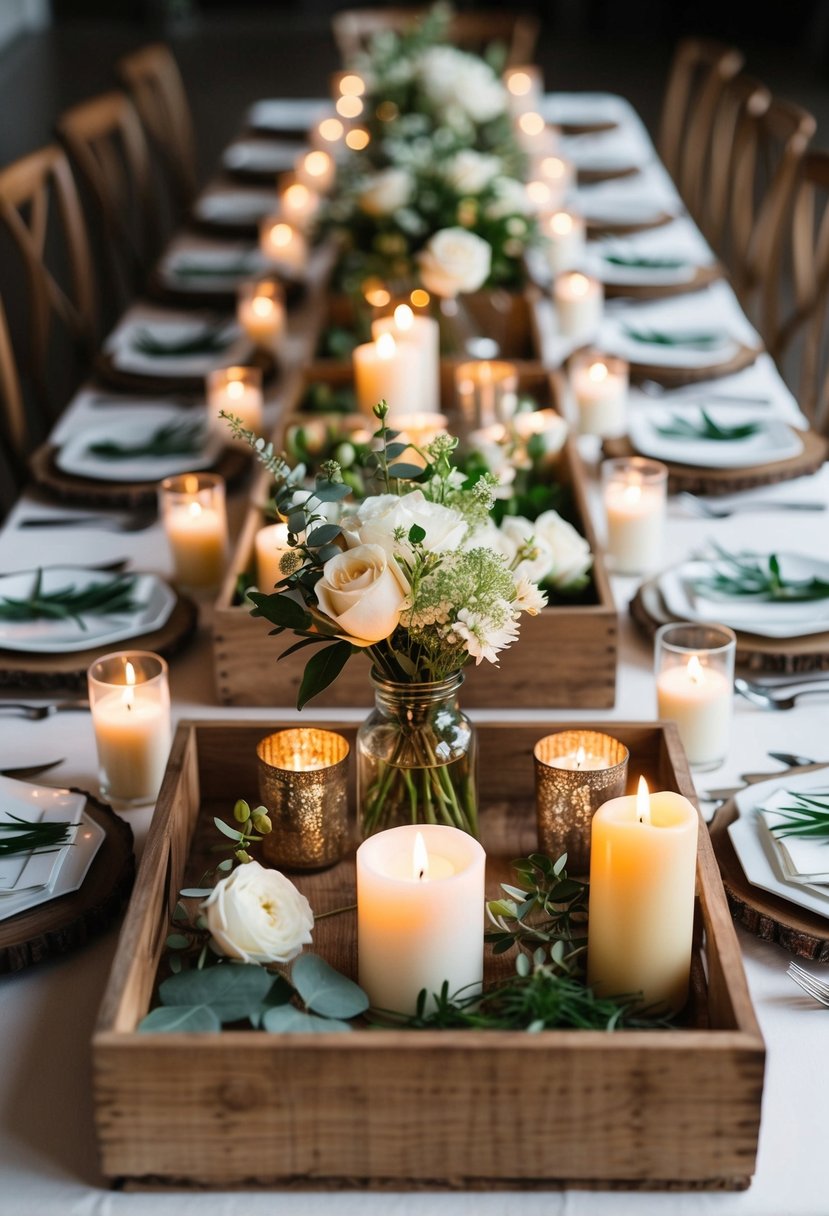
(298, 203)
(694, 668)
(600, 390)
(525, 87)
(194, 515)
(579, 303)
(260, 311)
(283, 245)
(575, 772)
(565, 242)
(129, 697)
(237, 391)
(303, 781)
(635, 503)
(316, 169)
(486, 392)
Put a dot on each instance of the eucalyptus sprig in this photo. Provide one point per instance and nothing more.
(549, 909)
(109, 597)
(24, 836)
(808, 818)
(706, 428)
(743, 575)
(170, 439)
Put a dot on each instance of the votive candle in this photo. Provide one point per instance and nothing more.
(129, 698)
(282, 244)
(271, 544)
(635, 507)
(237, 391)
(694, 687)
(298, 203)
(600, 390)
(535, 136)
(316, 170)
(303, 782)
(558, 173)
(566, 241)
(486, 391)
(579, 302)
(260, 311)
(525, 87)
(195, 522)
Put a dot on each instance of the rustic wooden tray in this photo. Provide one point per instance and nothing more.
(403, 1110)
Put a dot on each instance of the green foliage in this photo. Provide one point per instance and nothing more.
(105, 597)
(23, 836)
(547, 908)
(325, 991)
(809, 817)
(706, 428)
(184, 438)
(747, 574)
(322, 669)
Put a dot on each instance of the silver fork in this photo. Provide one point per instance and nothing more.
(758, 694)
(707, 511)
(817, 989)
(136, 521)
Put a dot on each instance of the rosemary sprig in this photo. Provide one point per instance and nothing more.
(706, 428)
(693, 339)
(211, 340)
(548, 908)
(108, 598)
(745, 574)
(643, 262)
(809, 817)
(24, 836)
(170, 439)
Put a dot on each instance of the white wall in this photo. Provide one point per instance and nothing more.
(17, 16)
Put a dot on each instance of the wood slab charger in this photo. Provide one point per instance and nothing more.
(743, 356)
(696, 480)
(702, 277)
(137, 382)
(587, 127)
(46, 671)
(628, 227)
(781, 656)
(63, 924)
(588, 177)
(233, 465)
(767, 916)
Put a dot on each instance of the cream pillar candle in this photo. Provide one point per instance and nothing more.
(566, 241)
(271, 544)
(260, 310)
(635, 507)
(420, 914)
(298, 204)
(283, 244)
(579, 301)
(237, 391)
(316, 170)
(423, 333)
(694, 687)
(130, 702)
(525, 88)
(642, 873)
(386, 370)
(195, 523)
(534, 135)
(600, 389)
(486, 391)
(558, 174)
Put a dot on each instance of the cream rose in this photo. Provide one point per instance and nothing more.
(362, 591)
(258, 915)
(385, 192)
(454, 261)
(455, 79)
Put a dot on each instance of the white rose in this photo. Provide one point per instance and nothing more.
(385, 192)
(470, 171)
(362, 591)
(438, 67)
(517, 531)
(383, 517)
(258, 916)
(454, 261)
(570, 552)
(453, 79)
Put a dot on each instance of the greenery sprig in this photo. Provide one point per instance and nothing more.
(109, 597)
(549, 908)
(747, 575)
(808, 818)
(704, 427)
(210, 340)
(24, 836)
(171, 439)
(643, 262)
(693, 339)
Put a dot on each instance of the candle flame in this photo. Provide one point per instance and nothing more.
(297, 196)
(579, 284)
(643, 802)
(538, 193)
(375, 293)
(352, 85)
(386, 346)
(331, 129)
(263, 307)
(194, 509)
(597, 372)
(281, 234)
(561, 223)
(420, 859)
(519, 83)
(580, 757)
(553, 166)
(694, 670)
(419, 298)
(403, 317)
(128, 695)
(632, 493)
(236, 388)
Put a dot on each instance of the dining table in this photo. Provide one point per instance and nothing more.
(48, 1162)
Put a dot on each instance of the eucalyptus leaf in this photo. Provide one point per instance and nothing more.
(285, 1019)
(297, 522)
(416, 534)
(404, 471)
(393, 450)
(179, 1019)
(331, 491)
(226, 830)
(323, 534)
(281, 610)
(232, 990)
(321, 670)
(177, 941)
(325, 990)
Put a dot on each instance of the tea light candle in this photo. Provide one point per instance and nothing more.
(237, 391)
(525, 87)
(566, 241)
(559, 175)
(579, 301)
(303, 782)
(390, 371)
(642, 873)
(260, 310)
(129, 698)
(534, 135)
(600, 389)
(283, 244)
(195, 523)
(420, 914)
(316, 170)
(271, 545)
(423, 333)
(694, 682)
(635, 507)
(487, 391)
(298, 204)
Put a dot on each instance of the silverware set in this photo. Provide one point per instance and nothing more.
(706, 510)
(780, 696)
(810, 984)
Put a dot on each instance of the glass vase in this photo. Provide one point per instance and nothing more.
(416, 758)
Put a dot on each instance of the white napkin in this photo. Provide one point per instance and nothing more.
(236, 206)
(288, 114)
(587, 107)
(617, 148)
(189, 250)
(262, 156)
(629, 200)
(171, 326)
(802, 859)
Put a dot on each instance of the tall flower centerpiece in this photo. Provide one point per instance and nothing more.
(410, 580)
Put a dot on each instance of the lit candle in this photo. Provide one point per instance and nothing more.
(195, 523)
(534, 135)
(525, 88)
(600, 389)
(347, 84)
(386, 370)
(282, 244)
(565, 244)
(303, 782)
(487, 391)
(316, 170)
(298, 204)
(357, 139)
(543, 433)
(420, 914)
(423, 333)
(559, 175)
(635, 506)
(579, 301)
(642, 872)
(130, 702)
(271, 545)
(260, 310)
(238, 391)
(328, 135)
(349, 106)
(694, 682)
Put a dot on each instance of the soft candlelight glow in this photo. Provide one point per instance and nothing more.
(386, 346)
(597, 372)
(403, 317)
(331, 130)
(600, 389)
(519, 83)
(554, 169)
(386, 370)
(561, 223)
(349, 107)
(357, 138)
(271, 545)
(643, 802)
(238, 391)
(298, 203)
(130, 702)
(422, 333)
(580, 757)
(376, 294)
(316, 170)
(283, 244)
(487, 392)
(578, 284)
(352, 85)
(579, 301)
(195, 522)
(566, 240)
(419, 298)
(260, 310)
(303, 782)
(540, 195)
(531, 123)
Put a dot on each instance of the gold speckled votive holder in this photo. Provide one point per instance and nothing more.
(303, 778)
(575, 772)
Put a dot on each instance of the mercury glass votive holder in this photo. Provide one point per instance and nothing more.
(575, 772)
(303, 778)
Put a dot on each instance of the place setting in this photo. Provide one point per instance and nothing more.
(232, 212)
(206, 272)
(606, 156)
(669, 260)
(258, 160)
(629, 205)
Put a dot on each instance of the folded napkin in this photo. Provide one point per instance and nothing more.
(173, 333)
(802, 859)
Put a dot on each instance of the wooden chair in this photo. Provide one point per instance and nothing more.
(354, 29)
(700, 70)
(152, 79)
(46, 344)
(14, 432)
(108, 147)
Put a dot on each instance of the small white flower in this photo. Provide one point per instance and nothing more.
(528, 597)
(483, 637)
(258, 916)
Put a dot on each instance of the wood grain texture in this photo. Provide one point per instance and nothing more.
(588, 177)
(743, 357)
(645, 1109)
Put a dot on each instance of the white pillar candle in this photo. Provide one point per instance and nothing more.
(579, 301)
(237, 391)
(635, 507)
(283, 244)
(525, 88)
(694, 683)
(316, 170)
(130, 702)
(423, 333)
(195, 523)
(565, 244)
(642, 874)
(271, 545)
(600, 390)
(535, 136)
(384, 370)
(420, 914)
(559, 175)
(260, 310)
(298, 204)
(487, 391)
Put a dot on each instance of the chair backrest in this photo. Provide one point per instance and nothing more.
(518, 32)
(151, 77)
(700, 70)
(50, 278)
(107, 146)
